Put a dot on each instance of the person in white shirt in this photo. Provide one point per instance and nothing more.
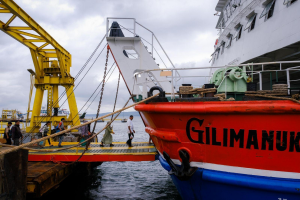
(130, 131)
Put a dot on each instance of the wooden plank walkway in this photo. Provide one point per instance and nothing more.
(142, 151)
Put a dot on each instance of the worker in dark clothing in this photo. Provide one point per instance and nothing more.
(60, 127)
(16, 133)
(7, 134)
(130, 131)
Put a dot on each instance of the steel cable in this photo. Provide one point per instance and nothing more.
(116, 95)
(102, 90)
(78, 74)
(15, 148)
(94, 93)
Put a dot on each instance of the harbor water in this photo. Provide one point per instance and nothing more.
(119, 180)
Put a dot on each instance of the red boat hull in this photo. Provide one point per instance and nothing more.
(249, 137)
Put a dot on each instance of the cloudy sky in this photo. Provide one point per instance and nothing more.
(185, 28)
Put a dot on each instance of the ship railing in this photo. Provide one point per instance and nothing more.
(282, 69)
(130, 28)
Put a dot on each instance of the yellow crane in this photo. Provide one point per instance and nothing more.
(51, 63)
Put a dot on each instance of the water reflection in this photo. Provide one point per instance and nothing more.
(119, 180)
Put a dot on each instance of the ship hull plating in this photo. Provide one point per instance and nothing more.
(243, 150)
(210, 184)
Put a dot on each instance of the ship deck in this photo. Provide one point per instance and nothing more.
(141, 151)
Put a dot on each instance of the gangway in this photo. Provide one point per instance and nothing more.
(52, 64)
(141, 151)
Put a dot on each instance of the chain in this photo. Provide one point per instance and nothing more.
(102, 89)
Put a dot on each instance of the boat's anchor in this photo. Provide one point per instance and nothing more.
(185, 171)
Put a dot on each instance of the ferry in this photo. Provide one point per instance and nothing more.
(60, 112)
(229, 130)
(11, 115)
(124, 120)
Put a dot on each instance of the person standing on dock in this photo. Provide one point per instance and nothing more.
(16, 133)
(60, 127)
(7, 134)
(45, 132)
(130, 131)
(85, 134)
(107, 138)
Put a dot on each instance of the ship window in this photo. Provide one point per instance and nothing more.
(251, 23)
(218, 52)
(229, 40)
(238, 33)
(237, 2)
(222, 47)
(269, 9)
(221, 24)
(288, 2)
(131, 54)
(228, 11)
(225, 15)
(232, 7)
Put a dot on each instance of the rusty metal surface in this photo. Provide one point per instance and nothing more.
(43, 176)
(42, 170)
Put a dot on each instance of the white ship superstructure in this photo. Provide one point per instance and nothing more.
(257, 31)
(60, 112)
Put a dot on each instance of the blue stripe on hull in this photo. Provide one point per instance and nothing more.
(214, 185)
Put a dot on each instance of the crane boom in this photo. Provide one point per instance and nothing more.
(51, 62)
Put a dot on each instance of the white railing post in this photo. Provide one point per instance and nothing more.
(225, 83)
(172, 85)
(144, 92)
(260, 81)
(288, 81)
(175, 84)
(152, 45)
(134, 22)
(107, 22)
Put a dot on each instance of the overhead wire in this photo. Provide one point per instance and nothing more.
(15, 148)
(93, 94)
(99, 90)
(78, 74)
(102, 89)
(116, 95)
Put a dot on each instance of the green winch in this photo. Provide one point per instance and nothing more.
(231, 79)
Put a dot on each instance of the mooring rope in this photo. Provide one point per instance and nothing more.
(69, 147)
(272, 97)
(15, 148)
